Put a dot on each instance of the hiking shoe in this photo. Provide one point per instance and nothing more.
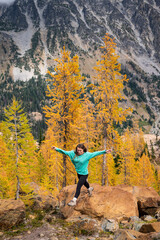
(90, 191)
(72, 203)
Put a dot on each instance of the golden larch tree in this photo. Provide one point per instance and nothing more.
(107, 95)
(127, 158)
(146, 172)
(137, 137)
(52, 169)
(7, 183)
(19, 140)
(65, 92)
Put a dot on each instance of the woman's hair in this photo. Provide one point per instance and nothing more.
(80, 145)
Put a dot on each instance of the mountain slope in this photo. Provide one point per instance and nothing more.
(33, 31)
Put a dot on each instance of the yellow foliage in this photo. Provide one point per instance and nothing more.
(127, 157)
(145, 172)
(7, 178)
(21, 163)
(64, 114)
(107, 95)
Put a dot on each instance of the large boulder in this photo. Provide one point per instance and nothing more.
(150, 227)
(12, 212)
(87, 225)
(105, 202)
(147, 198)
(126, 234)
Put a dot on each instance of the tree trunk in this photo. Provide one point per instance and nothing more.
(18, 188)
(104, 164)
(17, 158)
(64, 171)
(65, 112)
(16, 138)
(57, 178)
(64, 156)
(125, 172)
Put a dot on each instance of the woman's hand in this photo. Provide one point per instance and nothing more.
(109, 150)
(53, 147)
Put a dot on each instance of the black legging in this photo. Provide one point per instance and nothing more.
(82, 181)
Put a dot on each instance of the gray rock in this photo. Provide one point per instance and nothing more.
(148, 218)
(137, 225)
(109, 225)
(134, 218)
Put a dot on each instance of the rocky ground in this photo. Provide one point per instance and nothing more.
(52, 228)
(118, 213)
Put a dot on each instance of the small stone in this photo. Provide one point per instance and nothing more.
(124, 222)
(148, 218)
(32, 216)
(53, 238)
(29, 232)
(110, 225)
(60, 229)
(41, 235)
(134, 218)
(90, 238)
(53, 217)
(157, 214)
(48, 218)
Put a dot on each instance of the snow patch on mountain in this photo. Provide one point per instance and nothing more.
(7, 2)
(147, 64)
(22, 74)
(23, 38)
(80, 10)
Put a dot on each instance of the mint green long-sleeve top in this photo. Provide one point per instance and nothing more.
(81, 162)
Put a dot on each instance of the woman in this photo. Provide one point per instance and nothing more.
(80, 159)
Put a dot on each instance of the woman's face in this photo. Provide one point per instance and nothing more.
(80, 151)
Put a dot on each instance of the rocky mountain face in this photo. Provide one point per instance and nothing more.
(33, 31)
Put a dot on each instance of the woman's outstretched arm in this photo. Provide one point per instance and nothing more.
(68, 153)
(94, 154)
